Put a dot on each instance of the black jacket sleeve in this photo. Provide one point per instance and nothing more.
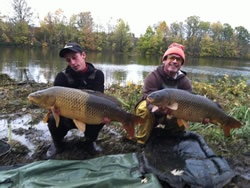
(98, 84)
(61, 80)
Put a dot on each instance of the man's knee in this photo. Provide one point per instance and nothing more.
(142, 110)
(64, 126)
(144, 130)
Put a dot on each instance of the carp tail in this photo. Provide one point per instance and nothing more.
(231, 123)
(129, 125)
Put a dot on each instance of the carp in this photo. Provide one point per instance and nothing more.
(83, 107)
(187, 106)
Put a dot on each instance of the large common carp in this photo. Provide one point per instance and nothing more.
(187, 106)
(83, 107)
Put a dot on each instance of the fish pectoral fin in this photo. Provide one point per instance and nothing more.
(182, 122)
(214, 122)
(231, 123)
(56, 116)
(173, 106)
(154, 108)
(46, 118)
(226, 130)
(185, 124)
(80, 125)
(179, 122)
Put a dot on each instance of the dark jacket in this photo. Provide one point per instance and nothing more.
(91, 79)
(158, 79)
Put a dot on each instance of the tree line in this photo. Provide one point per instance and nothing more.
(201, 39)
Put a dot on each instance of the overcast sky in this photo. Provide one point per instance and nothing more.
(139, 14)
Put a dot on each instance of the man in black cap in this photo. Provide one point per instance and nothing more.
(81, 75)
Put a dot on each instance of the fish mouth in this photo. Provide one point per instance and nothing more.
(29, 98)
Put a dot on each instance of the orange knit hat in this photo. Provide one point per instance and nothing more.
(175, 48)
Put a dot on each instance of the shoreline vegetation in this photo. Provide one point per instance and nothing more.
(200, 38)
(232, 94)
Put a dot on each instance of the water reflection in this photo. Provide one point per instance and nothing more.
(20, 125)
(123, 73)
(42, 65)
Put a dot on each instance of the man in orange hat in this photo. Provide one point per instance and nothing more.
(167, 75)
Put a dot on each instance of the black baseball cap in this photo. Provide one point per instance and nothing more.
(70, 47)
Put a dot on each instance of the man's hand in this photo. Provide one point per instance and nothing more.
(206, 121)
(106, 120)
(56, 110)
(163, 111)
(166, 111)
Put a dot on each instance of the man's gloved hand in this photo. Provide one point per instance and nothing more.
(206, 121)
(159, 111)
(163, 111)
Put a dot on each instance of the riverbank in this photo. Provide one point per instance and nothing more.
(29, 137)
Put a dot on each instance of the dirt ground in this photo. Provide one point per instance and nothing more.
(31, 131)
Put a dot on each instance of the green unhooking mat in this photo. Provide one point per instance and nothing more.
(178, 160)
(108, 171)
(184, 159)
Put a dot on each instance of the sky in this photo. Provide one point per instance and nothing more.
(139, 14)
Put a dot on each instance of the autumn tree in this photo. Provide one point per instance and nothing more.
(192, 29)
(145, 42)
(53, 27)
(3, 30)
(21, 20)
(122, 38)
(161, 37)
(204, 28)
(243, 40)
(216, 31)
(22, 12)
(85, 25)
(177, 32)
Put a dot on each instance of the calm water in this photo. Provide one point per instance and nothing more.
(43, 65)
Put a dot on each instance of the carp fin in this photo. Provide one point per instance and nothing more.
(154, 108)
(182, 122)
(231, 123)
(46, 118)
(214, 122)
(80, 125)
(173, 106)
(185, 124)
(226, 130)
(104, 95)
(129, 125)
(56, 116)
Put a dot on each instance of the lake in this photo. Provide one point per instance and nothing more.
(42, 65)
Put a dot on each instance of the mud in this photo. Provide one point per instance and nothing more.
(21, 126)
(30, 142)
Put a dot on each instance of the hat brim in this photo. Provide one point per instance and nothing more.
(65, 51)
